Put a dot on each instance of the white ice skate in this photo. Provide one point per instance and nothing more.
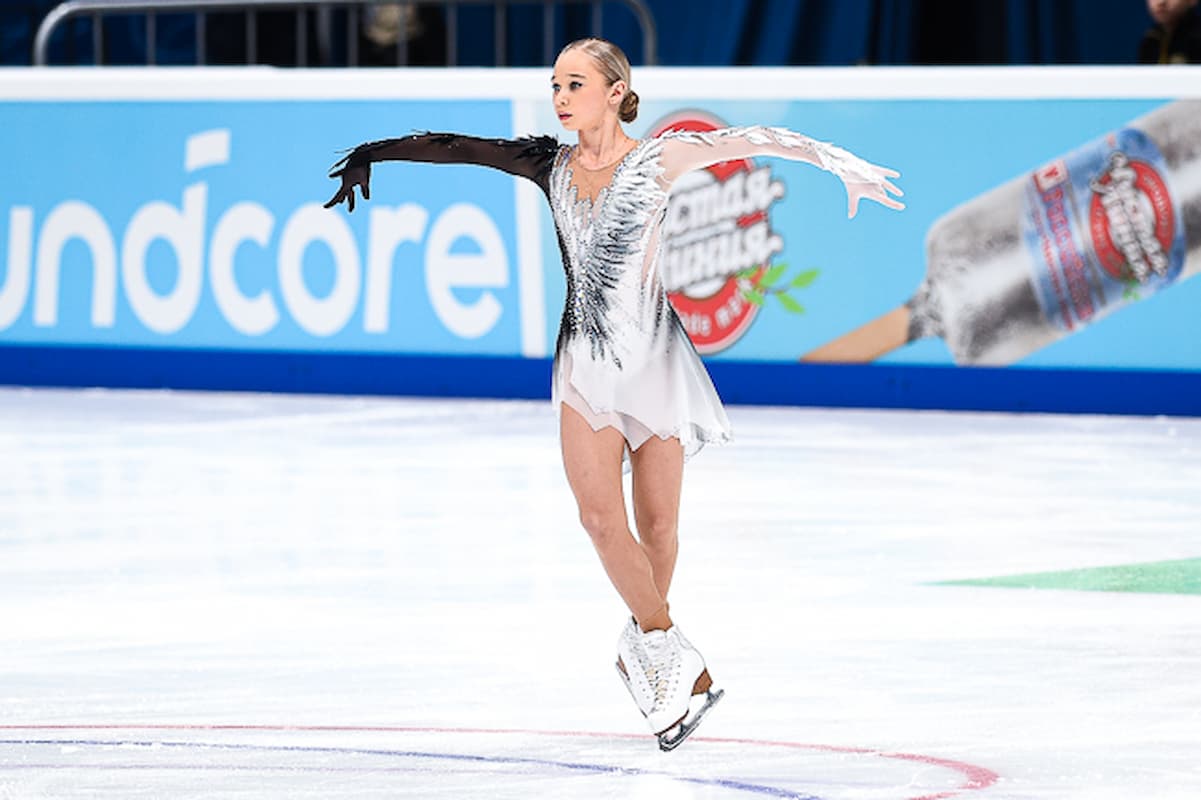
(627, 647)
(668, 680)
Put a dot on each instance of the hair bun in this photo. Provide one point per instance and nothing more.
(628, 111)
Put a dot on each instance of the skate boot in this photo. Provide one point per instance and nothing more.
(669, 682)
(627, 646)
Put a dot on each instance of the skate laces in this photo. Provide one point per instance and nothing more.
(661, 662)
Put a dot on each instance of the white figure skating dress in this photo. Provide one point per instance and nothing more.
(623, 358)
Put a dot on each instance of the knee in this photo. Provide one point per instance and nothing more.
(658, 532)
(602, 525)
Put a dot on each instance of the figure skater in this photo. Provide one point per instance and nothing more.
(628, 385)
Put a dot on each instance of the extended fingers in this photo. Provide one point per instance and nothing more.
(345, 193)
(881, 196)
(871, 191)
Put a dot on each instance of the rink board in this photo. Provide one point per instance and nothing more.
(164, 228)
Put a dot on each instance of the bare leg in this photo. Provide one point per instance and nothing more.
(592, 460)
(658, 467)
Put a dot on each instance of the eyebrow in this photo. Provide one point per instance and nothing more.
(570, 75)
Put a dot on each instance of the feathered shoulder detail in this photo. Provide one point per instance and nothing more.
(765, 140)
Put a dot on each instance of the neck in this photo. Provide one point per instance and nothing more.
(603, 144)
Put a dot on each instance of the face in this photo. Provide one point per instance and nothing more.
(583, 98)
(1169, 12)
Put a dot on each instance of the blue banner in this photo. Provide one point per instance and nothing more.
(962, 162)
(199, 224)
(1039, 235)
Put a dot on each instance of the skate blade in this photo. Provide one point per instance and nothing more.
(674, 736)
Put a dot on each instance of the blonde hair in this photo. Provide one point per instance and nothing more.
(613, 65)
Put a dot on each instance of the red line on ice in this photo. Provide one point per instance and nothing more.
(977, 777)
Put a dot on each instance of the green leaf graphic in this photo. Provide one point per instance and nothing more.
(790, 304)
(804, 279)
(772, 275)
(754, 297)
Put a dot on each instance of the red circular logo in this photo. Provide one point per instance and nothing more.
(715, 218)
(1131, 220)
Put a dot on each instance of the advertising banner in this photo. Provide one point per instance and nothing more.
(1029, 224)
(200, 224)
(1053, 219)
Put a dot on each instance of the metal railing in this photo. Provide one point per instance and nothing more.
(97, 9)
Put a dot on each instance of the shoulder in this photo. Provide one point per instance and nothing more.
(562, 153)
(646, 152)
(535, 146)
(688, 136)
(540, 153)
(644, 147)
(544, 142)
(755, 134)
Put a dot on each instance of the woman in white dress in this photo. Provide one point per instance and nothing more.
(628, 384)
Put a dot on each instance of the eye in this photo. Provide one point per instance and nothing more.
(554, 87)
(575, 85)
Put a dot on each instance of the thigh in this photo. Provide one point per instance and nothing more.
(658, 475)
(592, 461)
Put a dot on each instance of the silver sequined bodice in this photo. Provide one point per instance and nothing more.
(616, 305)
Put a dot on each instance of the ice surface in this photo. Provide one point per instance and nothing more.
(255, 596)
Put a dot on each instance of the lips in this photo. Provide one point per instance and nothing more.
(563, 116)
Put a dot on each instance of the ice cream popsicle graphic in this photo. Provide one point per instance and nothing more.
(1046, 254)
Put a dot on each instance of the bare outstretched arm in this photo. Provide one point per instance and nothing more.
(684, 151)
(529, 157)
